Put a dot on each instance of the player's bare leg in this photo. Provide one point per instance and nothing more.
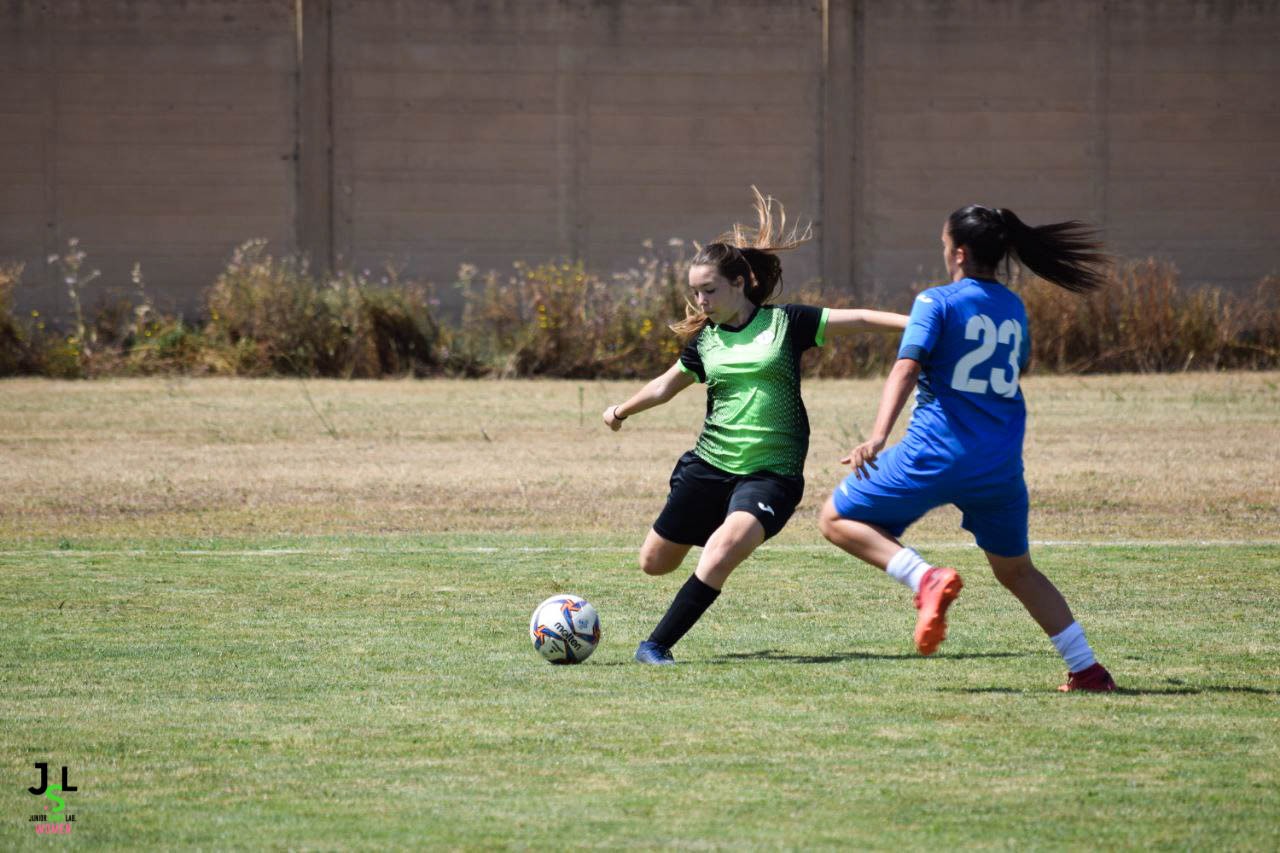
(1036, 592)
(732, 543)
(659, 556)
(1047, 606)
(935, 587)
(867, 542)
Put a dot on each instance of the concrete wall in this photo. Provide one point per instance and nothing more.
(1158, 120)
(493, 132)
(1191, 132)
(435, 132)
(160, 132)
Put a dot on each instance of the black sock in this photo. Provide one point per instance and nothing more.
(690, 603)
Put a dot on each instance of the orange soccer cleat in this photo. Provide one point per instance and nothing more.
(1092, 679)
(938, 588)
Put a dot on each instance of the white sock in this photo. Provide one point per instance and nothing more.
(907, 568)
(1074, 648)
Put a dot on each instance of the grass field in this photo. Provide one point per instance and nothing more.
(290, 615)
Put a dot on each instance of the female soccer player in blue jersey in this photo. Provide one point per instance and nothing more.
(963, 350)
(744, 477)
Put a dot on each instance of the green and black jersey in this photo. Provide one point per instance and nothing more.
(755, 418)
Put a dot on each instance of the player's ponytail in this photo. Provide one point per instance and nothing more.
(766, 274)
(749, 253)
(1068, 254)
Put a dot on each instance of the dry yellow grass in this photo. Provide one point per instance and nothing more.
(1160, 457)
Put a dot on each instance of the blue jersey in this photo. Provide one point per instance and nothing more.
(972, 341)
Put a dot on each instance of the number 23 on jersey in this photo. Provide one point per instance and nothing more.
(974, 372)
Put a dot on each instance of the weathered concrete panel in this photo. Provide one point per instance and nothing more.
(1116, 113)
(26, 116)
(185, 163)
(439, 109)
(1194, 137)
(591, 106)
(987, 102)
(684, 112)
(435, 132)
(165, 135)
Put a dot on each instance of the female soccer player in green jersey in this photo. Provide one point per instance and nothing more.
(745, 475)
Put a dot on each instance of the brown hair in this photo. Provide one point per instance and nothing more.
(747, 253)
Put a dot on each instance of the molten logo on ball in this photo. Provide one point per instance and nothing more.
(565, 629)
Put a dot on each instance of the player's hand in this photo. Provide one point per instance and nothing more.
(864, 456)
(612, 419)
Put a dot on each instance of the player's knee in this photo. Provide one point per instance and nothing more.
(740, 530)
(1012, 572)
(720, 551)
(656, 563)
(649, 564)
(827, 521)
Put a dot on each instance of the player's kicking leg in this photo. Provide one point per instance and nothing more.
(732, 543)
(935, 587)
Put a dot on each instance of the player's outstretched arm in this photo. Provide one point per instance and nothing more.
(657, 392)
(902, 378)
(843, 321)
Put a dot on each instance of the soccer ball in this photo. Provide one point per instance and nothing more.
(565, 629)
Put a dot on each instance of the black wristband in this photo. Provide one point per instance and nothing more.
(617, 416)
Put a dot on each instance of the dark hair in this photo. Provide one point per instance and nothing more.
(1069, 254)
(749, 253)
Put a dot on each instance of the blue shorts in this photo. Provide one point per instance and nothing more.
(995, 510)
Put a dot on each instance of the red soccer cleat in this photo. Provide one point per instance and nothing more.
(1093, 679)
(938, 588)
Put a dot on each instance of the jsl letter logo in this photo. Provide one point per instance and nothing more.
(44, 781)
(56, 804)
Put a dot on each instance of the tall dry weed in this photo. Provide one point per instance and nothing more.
(271, 315)
(562, 320)
(1145, 321)
(17, 353)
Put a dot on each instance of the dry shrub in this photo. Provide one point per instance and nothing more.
(1143, 320)
(561, 320)
(30, 346)
(271, 316)
(131, 338)
(17, 355)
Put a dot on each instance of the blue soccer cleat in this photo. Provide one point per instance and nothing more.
(652, 653)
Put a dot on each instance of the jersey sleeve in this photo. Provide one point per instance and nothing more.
(807, 325)
(923, 328)
(691, 360)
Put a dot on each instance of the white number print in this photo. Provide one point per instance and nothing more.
(982, 329)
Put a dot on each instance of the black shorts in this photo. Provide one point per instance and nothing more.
(702, 496)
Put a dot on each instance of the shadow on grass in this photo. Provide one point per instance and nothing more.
(1187, 689)
(775, 655)
(1176, 688)
(1227, 688)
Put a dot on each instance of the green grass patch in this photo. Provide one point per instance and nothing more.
(382, 691)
